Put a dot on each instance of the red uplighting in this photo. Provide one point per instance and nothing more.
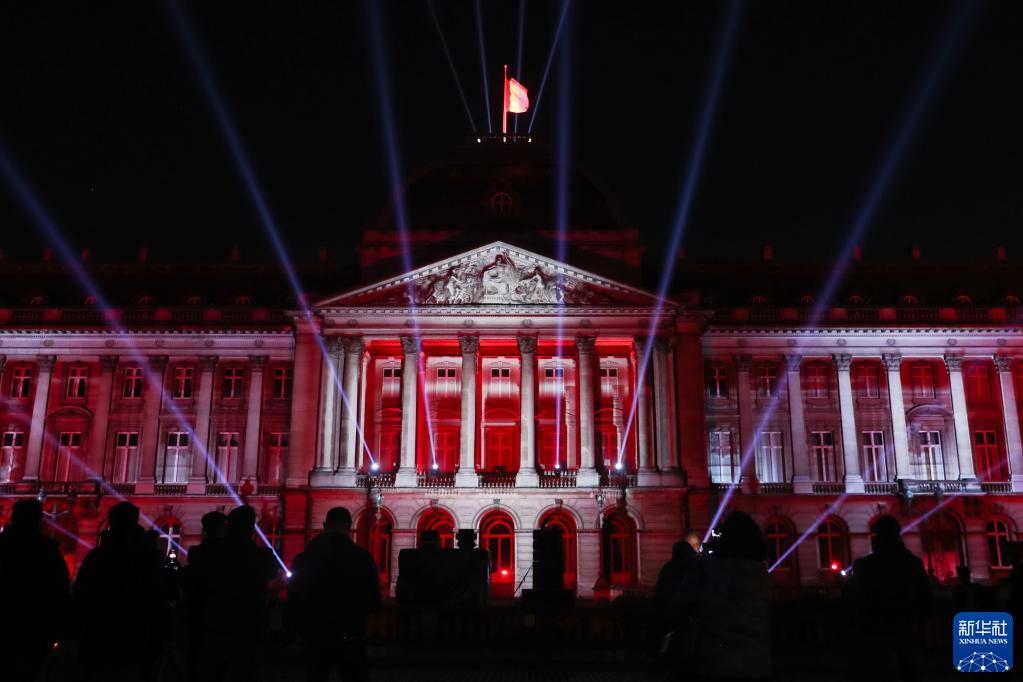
(834, 566)
(504, 571)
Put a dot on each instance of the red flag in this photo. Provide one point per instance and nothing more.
(516, 99)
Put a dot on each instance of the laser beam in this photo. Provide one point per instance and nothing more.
(451, 63)
(547, 65)
(483, 62)
(830, 511)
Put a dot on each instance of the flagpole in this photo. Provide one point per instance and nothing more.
(504, 109)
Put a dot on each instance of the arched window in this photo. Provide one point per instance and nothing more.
(998, 538)
(375, 537)
(963, 299)
(243, 300)
(440, 521)
(89, 300)
(194, 299)
(497, 536)
(759, 300)
(779, 535)
(146, 299)
(942, 540)
(566, 524)
(170, 535)
(1012, 299)
(619, 548)
(856, 299)
(832, 545)
(37, 300)
(806, 299)
(910, 299)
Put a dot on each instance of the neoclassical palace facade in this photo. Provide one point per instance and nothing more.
(501, 390)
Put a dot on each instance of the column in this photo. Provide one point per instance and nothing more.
(850, 436)
(406, 476)
(647, 465)
(668, 456)
(34, 449)
(587, 475)
(203, 458)
(465, 477)
(746, 426)
(254, 405)
(964, 439)
(527, 476)
(331, 378)
(353, 347)
(151, 423)
(98, 436)
(893, 366)
(801, 477)
(1010, 413)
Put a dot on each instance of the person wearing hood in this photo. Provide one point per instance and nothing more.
(887, 600)
(334, 586)
(725, 598)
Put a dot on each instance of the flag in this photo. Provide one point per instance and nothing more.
(518, 97)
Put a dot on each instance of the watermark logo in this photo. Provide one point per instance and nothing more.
(982, 642)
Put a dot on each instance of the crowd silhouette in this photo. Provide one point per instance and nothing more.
(133, 610)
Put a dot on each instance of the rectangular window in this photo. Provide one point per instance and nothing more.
(231, 388)
(870, 386)
(227, 456)
(77, 380)
(392, 381)
(500, 382)
(445, 449)
(724, 467)
(822, 444)
(182, 382)
(131, 385)
(609, 382)
(126, 447)
(175, 459)
(770, 458)
(12, 455)
(817, 382)
(767, 381)
(499, 449)
(21, 382)
(922, 377)
(69, 446)
(276, 454)
(929, 465)
(875, 463)
(282, 383)
(717, 381)
(987, 455)
(447, 382)
(978, 381)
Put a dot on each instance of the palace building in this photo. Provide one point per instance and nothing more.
(485, 371)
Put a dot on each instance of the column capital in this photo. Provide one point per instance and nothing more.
(585, 344)
(664, 343)
(954, 362)
(892, 361)
(257, 362)
(1004, 362)
(843, 361)
(108, 363)
(527, 344)
(354, 344)
(333, 344)
(470, 345)
(742, 362)
(46, 362)
(410, 345)
(207, 363)
(793, 362)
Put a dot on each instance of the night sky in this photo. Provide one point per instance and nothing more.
(102, 110)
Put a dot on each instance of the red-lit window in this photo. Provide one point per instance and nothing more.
(440, 521)
(998, 547)
(869, 381)
(376, 539)
(978, 381)
(497, 536)
(832, 545)
(619, 540)
(817, 381)
(717, 381)
(988, 455)
(12, 456)
(231, 385)
(276, 454)
(447, 382)
(501, 448)
(69, 451)
(875, 463)
(609, 382)
(282, 383)
(500, 382)
(566, 524)
(610, 450)
(21, 382)
(553, 446)
(767, 380)
(77, 381)
(227, 456)
(922, 379)
(779, 539)
(724, 465)
(131, 384)
(770, 457)
(942, 539)
(445, 448)
(389, 451)
(175, 457)
(390, 386)
(822, 444)
(126, 446)
(928, 462)
(182, 387)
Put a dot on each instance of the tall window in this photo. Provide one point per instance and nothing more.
(227, 455)
(232, 383)
(823, 446)
(447, 382)
(717, 381)
(724, 466)
(832, 545)
(770, 458)
(497, 536)
(929, 464)
(500, 447)
(391, 387)
(619, 555)
(553, 382)
(767, 380)
(126, 446)
(77, 381)
(875, 464)
(282, 383)
(779, 540)
(182, 382)
(869, 381)
(21, 382)
(500, 382)
(998, 539)
(445, 448)
(12, 455)
(817, 381)
(941, 537)
(609, 382)
(978, 381)
(375, 537)
(987, 454)
(175, 459)
(566, 524)
(131, 385)
(922, 378)
(69, 449)
(276, 453)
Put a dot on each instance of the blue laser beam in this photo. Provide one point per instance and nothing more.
(483, 63)
(831, 510)
(547, 65)
(451, 63)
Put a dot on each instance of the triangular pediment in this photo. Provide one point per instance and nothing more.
(497, 274)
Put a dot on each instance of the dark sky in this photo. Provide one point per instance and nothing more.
(102, 110)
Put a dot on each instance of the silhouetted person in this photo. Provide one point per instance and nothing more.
(334, 585)
(724, 599)
(887, 600)
(214, 528)
(683, 558)
(120, 600)
(35, 602)
(232, 583)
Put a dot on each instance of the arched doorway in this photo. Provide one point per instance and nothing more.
(942, 540)
(374, 535)
(497, 536)
(618, 549)
(566, 524)
(440, 521)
